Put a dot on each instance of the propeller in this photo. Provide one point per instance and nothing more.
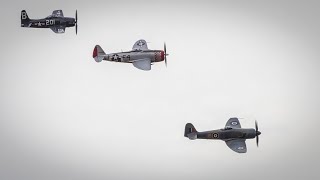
(257, 133)
(76, 21)
(165, 53)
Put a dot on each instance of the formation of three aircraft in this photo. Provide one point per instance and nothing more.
(142, 58)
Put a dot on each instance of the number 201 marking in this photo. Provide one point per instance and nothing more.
(50, 22)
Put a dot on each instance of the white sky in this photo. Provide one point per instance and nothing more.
(64, 116)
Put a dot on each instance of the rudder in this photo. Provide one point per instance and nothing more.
(190, 131)
(98, 53)
(24, 18)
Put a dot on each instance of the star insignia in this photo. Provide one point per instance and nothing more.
(140, 43)
(115, 57)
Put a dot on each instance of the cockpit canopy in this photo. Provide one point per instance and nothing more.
(136, 50)
(227, 128)
(52, 16)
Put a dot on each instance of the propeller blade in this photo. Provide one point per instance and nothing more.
(256, 123)
(165, 54)
(76, 21)
(257, 133)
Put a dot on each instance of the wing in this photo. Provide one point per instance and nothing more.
(234, 123)
(140, 45)
(57, 13)
(143, 64)
(58, 29)
(237, 145)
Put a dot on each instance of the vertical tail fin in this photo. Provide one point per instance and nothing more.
(24, 18)
(98, 53)
(190, 131)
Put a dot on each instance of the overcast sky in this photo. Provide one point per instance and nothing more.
(64, 116)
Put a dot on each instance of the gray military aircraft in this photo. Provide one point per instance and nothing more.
(232, 134)
(56, 22)
(140, 56)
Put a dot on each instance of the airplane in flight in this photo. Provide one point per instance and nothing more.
(56, 22)
(140, 56)
(234, 136)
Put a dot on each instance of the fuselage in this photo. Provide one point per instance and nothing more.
(227, 134)
(132, 56)
(49, 22)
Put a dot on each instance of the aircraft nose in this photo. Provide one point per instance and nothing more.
(162, 55)
(258, 133)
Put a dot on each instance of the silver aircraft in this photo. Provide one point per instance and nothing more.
(234, 136)
(140, 56)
